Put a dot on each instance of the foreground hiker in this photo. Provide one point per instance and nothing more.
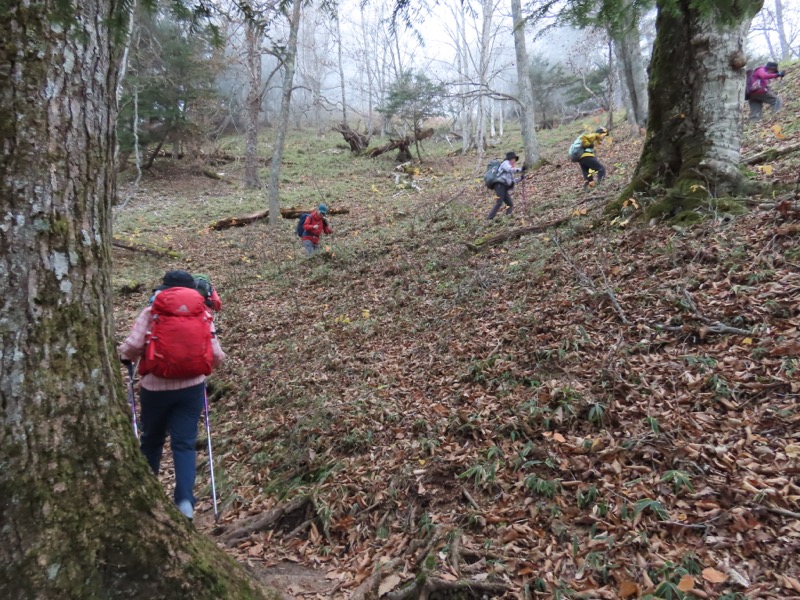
(314, 226)
(176, 346)
(591, 168)
(758, 93)
(202, 283)
(505, 183)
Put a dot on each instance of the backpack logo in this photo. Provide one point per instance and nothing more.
(492, 175)
(178, 345)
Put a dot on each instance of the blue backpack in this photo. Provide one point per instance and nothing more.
(576, 149)
(300, 222)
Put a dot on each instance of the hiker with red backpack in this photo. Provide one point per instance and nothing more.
(313, 226)
(757, 92)
(175, 342)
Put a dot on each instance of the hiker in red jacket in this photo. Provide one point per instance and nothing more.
(758, 92)
(315, 225)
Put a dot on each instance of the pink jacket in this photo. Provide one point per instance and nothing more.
(760, 78)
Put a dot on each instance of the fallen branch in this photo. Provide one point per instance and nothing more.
(770, 154)
(212, 174)
(514, 234)
(261, 522)
(286, 213)
(144, 249)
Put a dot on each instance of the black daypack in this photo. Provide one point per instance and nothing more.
(492, 175)
(748, 86)
(300, 222)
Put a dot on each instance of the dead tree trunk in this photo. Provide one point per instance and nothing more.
(402, 145)
(358, 141)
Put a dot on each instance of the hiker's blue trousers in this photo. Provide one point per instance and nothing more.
(176, 412)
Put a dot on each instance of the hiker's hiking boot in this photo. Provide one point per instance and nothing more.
(186, 509)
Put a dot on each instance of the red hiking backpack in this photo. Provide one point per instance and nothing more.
(178, 345)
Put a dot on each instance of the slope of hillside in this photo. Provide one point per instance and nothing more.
(607, 409)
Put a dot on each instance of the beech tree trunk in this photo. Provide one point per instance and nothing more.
(81, 516)
(528, 121)
(695, 111)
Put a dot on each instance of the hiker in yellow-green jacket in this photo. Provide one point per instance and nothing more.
(593, 171)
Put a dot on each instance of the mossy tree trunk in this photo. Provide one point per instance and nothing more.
(696, 89)
(80, 515)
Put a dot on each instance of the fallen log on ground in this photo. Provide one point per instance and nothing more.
(514, 234)
(286, 213)
(144, 249)
(402, 144)
(769, 154)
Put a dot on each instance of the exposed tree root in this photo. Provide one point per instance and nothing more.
(286, 213)
(425, 585)
(287, 514)
(770, 154)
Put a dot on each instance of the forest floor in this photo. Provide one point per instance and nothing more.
(606, 409)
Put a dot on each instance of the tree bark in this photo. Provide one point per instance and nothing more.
(528, 121)
(81, 514)
(631, 67)
(252, 181)
(695, 116)
(283, 119)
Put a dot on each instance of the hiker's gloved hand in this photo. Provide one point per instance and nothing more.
(126, 361)
(524, 168)
(782, 74)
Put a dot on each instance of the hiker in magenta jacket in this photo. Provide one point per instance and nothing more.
(314, 226)
(760, 94)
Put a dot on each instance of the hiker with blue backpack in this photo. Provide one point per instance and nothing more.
(311, 226)
(757, 92)
(502, 182)
(582, 151)
(174, 341)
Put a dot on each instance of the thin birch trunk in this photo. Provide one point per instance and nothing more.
(283, 119)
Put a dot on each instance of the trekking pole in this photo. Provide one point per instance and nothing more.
(210, 456)
(132, 399)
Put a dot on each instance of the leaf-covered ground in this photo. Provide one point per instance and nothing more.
(608, 409)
